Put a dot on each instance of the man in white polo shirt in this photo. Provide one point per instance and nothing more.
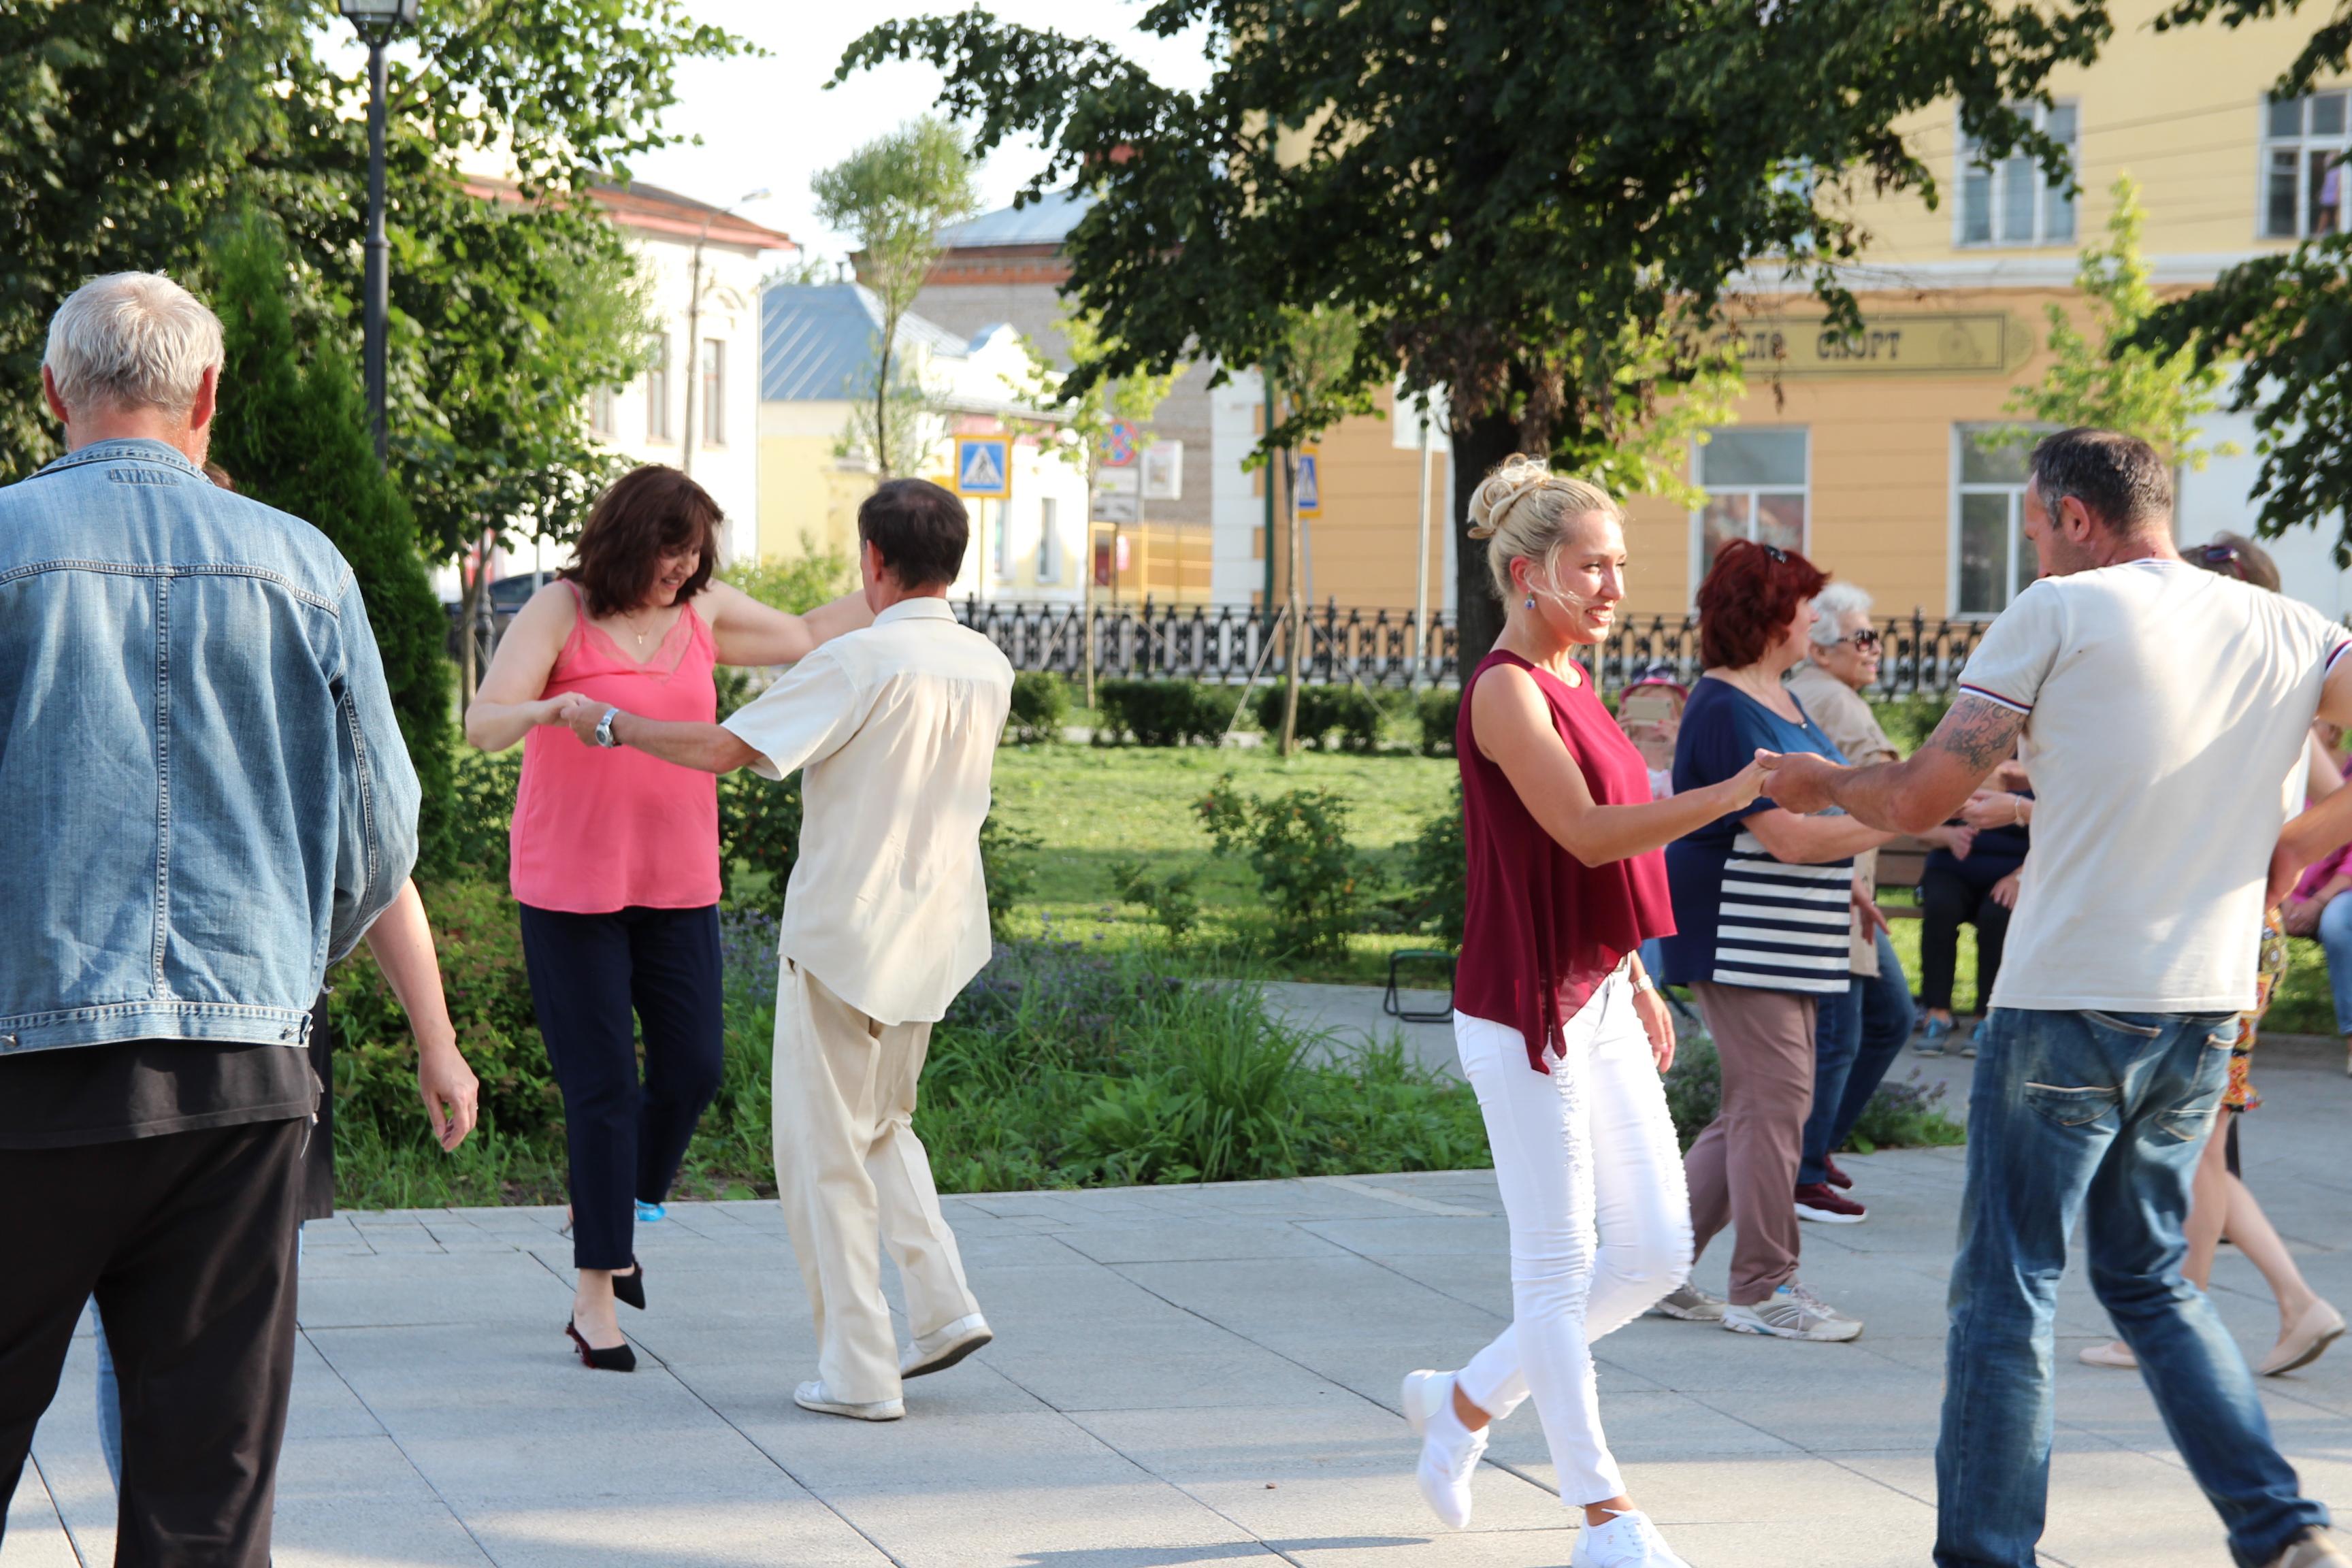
(886, 920)
(2162, 709)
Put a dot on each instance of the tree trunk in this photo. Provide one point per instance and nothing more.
(1479, 444)
(1299, 641)
(469, 609)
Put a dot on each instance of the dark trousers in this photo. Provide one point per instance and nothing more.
(188, 1241)
(1856, 1038)
(1947, 896)
(588, 974)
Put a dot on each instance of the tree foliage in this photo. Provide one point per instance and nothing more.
(292, 433)
(2159, 394)
(893, 195)
(1536, 204)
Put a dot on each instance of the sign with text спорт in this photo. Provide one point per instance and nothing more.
(1976, 343)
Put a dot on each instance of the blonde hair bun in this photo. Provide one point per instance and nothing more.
(1523, 511)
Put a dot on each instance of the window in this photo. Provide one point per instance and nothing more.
(714, 393)
(1005, 556)
(2014, 201)
(658, 391)
(1049, 541)
(1756, 489)
(603, 413)
(2304, 142)
(1991, 560)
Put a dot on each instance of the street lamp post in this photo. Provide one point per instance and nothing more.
(376, 21)
(694, 318)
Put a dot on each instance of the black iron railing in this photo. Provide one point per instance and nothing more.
(1384, 647)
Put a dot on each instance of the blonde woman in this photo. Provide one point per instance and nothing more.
(1561, 1032)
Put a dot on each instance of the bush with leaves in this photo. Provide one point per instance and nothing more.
(1436, 711)
(1006, 866)
(1436, 875)
(1348, 713)
(1317, 888)
(1040, 706)
(798, 584)
(1160, 713)
(1170, 899)
(759, 838)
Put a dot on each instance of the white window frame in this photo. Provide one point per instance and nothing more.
(1049, 540)
(1002, 550)
(1698, 513)
(605, 413)
(657, 426)
(2302, 144)
(2019, 550)
(710, 364)
(1997, 178)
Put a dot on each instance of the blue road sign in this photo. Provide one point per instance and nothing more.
(1306, 497)
(983, 467)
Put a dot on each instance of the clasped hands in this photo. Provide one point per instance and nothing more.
(575, 710)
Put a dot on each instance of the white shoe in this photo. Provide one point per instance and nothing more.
(812, 1396)
(1691, 1304)
(1793, 1312)
(940, 1350)
(1449, 1450)
(1628, 1541)
(2320, 1326)
(2109, 1353)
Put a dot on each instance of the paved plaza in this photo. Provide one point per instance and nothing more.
(1190, 1375)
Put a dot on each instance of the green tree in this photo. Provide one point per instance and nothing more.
(1307, 370)
(2157, 395)
(293, 434)
(893, 195)
(1537, 204)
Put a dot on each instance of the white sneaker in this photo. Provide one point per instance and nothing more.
(2109, 1353)
(1628, 1541)
(941, 1349)
(1691, 1304)
(1449, 1450)
(811, 1395)
(1793, 1312)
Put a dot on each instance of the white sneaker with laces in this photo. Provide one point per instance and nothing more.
(1449, 1450)
(942, 1348)
(1793, 1312)
(1691, 1304)
(1627, 1541)
(811, 1395)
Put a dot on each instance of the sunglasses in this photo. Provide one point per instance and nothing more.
(2222, 558)
(1866, 640)
(1774, 554)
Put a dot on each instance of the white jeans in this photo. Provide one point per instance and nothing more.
(1592, 1183)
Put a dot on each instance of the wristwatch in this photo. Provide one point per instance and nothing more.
(604, 727)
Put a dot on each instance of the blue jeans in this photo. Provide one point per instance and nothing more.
(1856, 1038)
(2336, 936)
(2113, 1109)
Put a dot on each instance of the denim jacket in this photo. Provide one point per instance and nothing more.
(203, 794)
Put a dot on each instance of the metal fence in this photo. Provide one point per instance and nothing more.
(1385, 648)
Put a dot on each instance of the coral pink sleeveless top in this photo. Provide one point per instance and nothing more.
(1541, 929)
(597, 831)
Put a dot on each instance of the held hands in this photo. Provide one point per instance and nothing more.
(1992, 808)
(1798, 781)
(1744, 786)
(2300, 917)
(579, 713)
(1658, 1022)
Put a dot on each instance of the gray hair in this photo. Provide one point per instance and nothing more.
(1834, 604)
(2120, 480)
(135, 339)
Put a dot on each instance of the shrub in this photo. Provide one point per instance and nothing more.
(759, 837)
(1899, 1116)
(481, 809)
(1170, 899)
(1160, 713)
(1040, 706)
(799, 585)
(1006, 868)
(1317, 888)
(1436, 711)
(1348, 712)
(1437, 882)
(1909, 721)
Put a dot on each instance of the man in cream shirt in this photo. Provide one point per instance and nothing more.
(886, 920)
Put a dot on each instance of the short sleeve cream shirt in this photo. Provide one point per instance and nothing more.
(895, 727)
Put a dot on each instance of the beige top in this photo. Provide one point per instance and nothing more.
(2164, 706)
(897, 728)
(1845, 718)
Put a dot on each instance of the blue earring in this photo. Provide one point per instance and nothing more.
(1531, 602)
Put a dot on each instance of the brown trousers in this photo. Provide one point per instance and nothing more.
(1742, 1171)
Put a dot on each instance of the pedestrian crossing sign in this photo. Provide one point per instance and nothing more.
(982, 468)
(1307, 491)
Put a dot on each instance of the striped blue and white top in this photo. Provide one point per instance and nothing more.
(1742, 918)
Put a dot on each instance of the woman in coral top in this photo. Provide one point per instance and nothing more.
(617, 858)
(1562, 1034)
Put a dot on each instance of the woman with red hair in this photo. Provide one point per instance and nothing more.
(1763, 910)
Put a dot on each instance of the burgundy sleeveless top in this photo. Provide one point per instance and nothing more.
(1542, 930)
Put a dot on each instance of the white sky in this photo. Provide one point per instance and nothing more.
(770, 123)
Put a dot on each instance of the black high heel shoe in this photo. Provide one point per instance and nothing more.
(620, 1358)
(631, 1286)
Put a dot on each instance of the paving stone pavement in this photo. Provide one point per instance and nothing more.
(1199, 1376)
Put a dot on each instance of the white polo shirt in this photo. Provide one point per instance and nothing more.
(895, 726)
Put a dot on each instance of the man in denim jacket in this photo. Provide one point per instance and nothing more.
(203, 799)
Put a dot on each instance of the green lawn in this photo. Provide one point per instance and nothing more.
(1093, 806)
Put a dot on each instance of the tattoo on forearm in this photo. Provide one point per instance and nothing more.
(1980, 733)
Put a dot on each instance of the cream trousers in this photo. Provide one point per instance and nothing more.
(1592, 1185)
(854, 1179)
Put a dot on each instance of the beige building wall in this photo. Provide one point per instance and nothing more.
(807, 494)
(1360, 550)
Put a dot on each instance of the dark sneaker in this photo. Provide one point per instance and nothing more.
(1975, 1042)
(1837, 1178)
(1824, 1204)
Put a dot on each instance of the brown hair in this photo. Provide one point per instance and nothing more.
(2235, 555)
(648, 513)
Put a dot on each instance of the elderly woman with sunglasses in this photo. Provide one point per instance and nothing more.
(1857, 1035)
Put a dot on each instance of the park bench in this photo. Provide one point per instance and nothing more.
(1900, 863)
